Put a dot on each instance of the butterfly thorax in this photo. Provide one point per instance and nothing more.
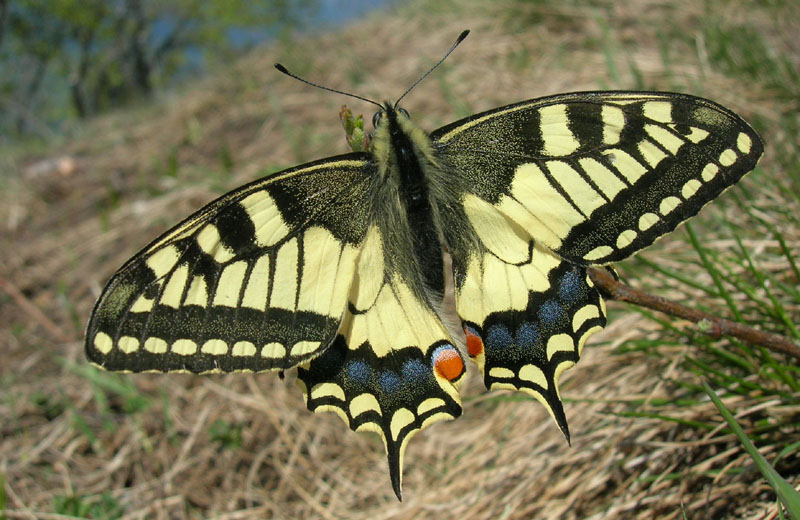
(405, 162)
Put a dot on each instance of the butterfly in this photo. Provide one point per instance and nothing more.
(339, 267)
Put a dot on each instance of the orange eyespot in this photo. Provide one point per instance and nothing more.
(448, 363)
(474, 342)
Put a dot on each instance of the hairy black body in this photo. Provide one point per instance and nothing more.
(415, 200)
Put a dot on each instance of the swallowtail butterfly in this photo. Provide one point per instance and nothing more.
(337, 267)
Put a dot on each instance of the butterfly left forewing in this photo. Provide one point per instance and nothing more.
(393, 368)
(257, 280)
(597, 176)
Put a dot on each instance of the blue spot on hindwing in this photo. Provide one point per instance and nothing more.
(498, 337)
(358, 372)
(389, 382)
(527, 335)
(550, 312)
(415, 371)
(570, 287)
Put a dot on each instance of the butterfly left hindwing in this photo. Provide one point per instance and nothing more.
(393, 368)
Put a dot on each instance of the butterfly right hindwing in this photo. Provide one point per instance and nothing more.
(257, 280)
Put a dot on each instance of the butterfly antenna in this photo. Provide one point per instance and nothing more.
(298, 78)
(458, 40)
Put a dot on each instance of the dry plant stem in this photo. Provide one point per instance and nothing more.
(616, 290)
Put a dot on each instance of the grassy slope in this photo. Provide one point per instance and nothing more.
(80, 442)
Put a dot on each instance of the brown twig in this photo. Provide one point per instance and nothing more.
(716, 326)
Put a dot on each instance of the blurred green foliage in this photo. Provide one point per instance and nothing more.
(225, 434)
(66, 59)
(103, 507)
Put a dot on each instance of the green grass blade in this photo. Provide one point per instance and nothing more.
(715, 275)
(3, 496)
(670, 273)
(786, 493)
(778, 309)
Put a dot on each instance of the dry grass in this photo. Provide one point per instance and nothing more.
(149, 441)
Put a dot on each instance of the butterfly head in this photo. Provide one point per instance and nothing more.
(388, 112)
(394, 131)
